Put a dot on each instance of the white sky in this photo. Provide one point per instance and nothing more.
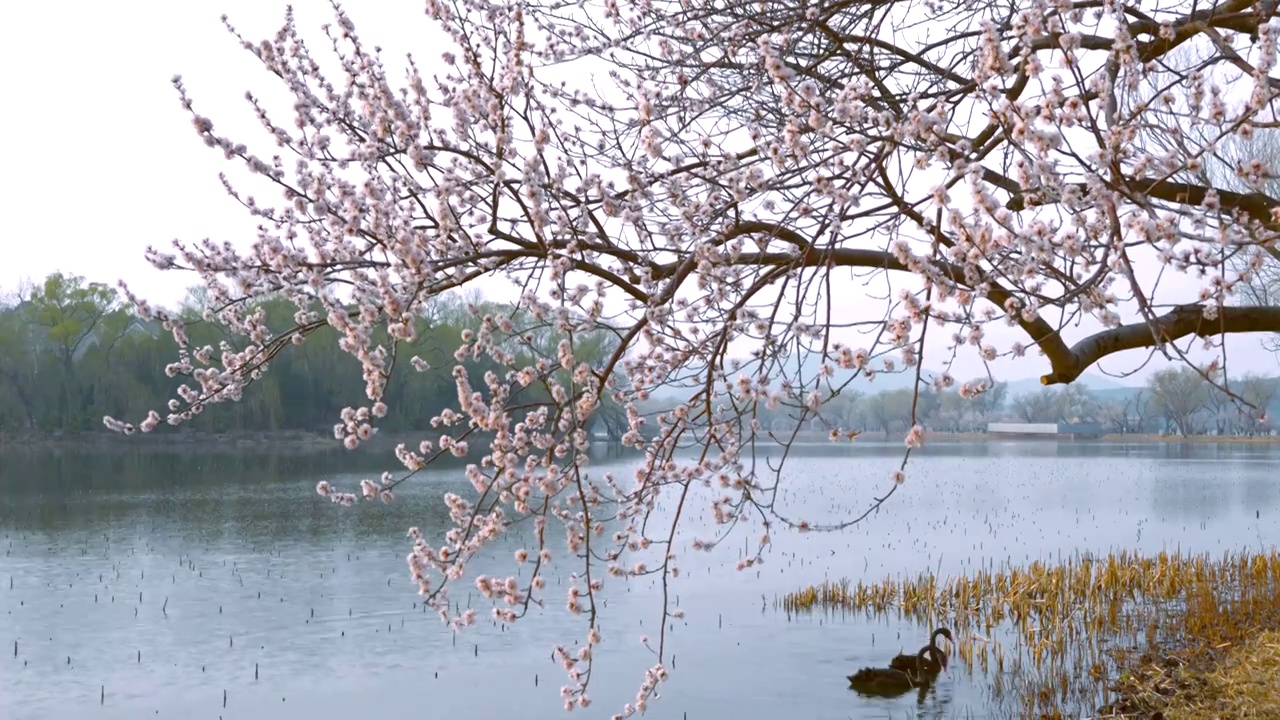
(102, 160)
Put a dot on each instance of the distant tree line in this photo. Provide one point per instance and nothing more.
(1174, 401)
(72, 352)
(890, 411)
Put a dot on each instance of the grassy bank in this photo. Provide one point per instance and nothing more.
(1225, 664)
(1237, 681)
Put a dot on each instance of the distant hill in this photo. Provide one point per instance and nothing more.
(1116, 394)
(1097, 384)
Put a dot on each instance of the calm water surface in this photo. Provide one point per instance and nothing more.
(166, 580)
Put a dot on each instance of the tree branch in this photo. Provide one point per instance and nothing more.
(1181, 321)
(1257, 206)
(1067, 363)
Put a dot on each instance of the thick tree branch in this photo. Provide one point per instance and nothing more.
(1178, 323)
(1256, 206)
(1067, 363)
(1038, 330)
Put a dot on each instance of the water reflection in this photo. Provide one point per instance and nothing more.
(148, 584)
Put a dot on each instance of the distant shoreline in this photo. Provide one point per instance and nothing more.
(302, 441)
(1134, 438)
(183, 441)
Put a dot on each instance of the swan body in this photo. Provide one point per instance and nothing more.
(890, 681)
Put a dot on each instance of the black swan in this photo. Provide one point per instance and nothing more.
(935, 664)
(888, 681)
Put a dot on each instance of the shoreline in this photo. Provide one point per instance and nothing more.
(1133, 438)
(1232, 671)
(294, 441)
(319, 441)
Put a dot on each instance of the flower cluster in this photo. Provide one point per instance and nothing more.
(724, 198)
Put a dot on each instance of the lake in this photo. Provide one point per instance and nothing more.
(148, 585)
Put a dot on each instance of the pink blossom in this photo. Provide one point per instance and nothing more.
(915, 437)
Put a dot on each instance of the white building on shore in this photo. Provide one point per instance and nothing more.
(1037, 430)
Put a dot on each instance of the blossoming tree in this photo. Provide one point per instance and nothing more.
(701, 180)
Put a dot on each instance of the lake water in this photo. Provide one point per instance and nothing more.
(147, 585)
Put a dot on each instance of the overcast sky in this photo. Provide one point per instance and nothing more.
(102, 160)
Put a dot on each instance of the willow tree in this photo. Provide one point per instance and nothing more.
(710, 182)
